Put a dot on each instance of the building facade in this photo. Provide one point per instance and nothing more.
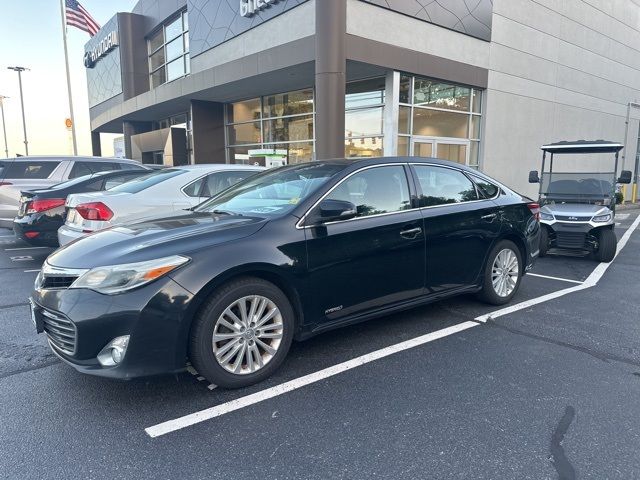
(481, 82)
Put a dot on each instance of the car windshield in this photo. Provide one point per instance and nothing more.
(142, 183)
(76, 181)
(272, 193)
(562, 186)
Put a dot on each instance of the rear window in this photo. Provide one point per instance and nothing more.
(142, 183)
(26, 169)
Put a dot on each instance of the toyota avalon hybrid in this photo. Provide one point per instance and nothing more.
(284, 255)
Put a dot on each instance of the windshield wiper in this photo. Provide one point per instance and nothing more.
(226, 212)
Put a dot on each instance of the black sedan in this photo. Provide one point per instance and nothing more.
(41, 212)
(284, 255)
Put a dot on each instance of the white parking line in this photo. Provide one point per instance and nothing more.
(32, 271)
(24, 248)
(622, 216)
(553, 278)
(261, 396)
(21, 258)
(591, 281)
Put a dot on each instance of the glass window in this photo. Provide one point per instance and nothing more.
(169, 52)
(474, 154)
(217, 182)
(403, 145)
(175, 69)
(488, 189)
(292, 103)
(404, 120)
(441, 186)
(477, 101)
(273, 192)
(141, 183)
(435, 123)
(173, 29)
(245, 111)
(175, 48)
(103, 166)
(375, 191)
(475, 127)
(364, 147)
(243, 133)
(288, 129)
(405, 88)
(80, 169)
(365, 93)
(116, 180)
(441, 95)
(363, 122)
(194, 188)
(298, 152)
(19, 169)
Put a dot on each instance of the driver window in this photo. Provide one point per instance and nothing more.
(375, 191)
(441, 186)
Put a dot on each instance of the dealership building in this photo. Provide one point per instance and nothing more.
(480, 82)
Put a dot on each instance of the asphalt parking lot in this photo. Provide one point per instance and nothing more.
(547, 388)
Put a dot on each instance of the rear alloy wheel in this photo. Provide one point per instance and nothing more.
(503, 273)
(242, 334)
(607, 246)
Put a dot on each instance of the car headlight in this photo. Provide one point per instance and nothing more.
(602, 218)
(546, 216)
(115, 279)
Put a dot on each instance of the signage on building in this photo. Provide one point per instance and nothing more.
(104, 46)
(248, 8)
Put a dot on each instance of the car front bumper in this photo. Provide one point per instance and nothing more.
(154, 317)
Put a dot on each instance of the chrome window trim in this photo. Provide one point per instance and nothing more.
(299, 225)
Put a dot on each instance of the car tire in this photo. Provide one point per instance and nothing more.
(253, 362)
(496, 288)
(544, 241)
(607, 246)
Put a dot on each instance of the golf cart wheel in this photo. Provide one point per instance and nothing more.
(608, 245)
(544, 240)
(502, 274)
(242, 334)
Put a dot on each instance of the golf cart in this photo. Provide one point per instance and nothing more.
(578, 208)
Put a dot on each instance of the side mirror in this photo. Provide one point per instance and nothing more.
(625, 177)
(334, 210)
(533, 177)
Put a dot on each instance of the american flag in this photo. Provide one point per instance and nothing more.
(78, 17)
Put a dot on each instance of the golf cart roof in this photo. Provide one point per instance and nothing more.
(583, 146)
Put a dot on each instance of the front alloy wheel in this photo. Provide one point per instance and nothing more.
(247, 334)
(242, 333)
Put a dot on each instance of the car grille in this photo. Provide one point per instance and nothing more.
(570, 239)
(565, 218)
(62, 281)
(60, 331)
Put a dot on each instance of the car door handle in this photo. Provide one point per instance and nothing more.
(411, 233)
(490, 216)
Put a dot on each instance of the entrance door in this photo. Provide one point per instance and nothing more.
(451, 149)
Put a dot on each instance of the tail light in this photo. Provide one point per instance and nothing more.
(36, 206)
(2, 184)
(535, 209)
(94, 211)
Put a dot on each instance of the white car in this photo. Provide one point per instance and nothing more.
(161, 193)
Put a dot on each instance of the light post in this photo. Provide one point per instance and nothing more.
(4, 125)
(24, 122)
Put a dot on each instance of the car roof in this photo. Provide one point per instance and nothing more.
(359, 162)
(218, 166)
(583, 146)
(58, 158)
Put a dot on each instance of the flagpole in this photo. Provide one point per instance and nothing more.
(66, 63)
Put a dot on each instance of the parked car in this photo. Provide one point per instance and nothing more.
(286, 254)
(42, 212)
(28, 173)
(158, 193)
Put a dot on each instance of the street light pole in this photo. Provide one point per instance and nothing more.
(24, 122)
(4, 125)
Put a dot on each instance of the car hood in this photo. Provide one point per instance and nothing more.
(177, 235)
(575, 209)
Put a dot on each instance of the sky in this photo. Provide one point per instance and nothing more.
(32, 37)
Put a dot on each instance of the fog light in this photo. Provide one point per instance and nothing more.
(113, 353)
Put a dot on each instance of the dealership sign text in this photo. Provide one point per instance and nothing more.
(104, 46)
(248, 8)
